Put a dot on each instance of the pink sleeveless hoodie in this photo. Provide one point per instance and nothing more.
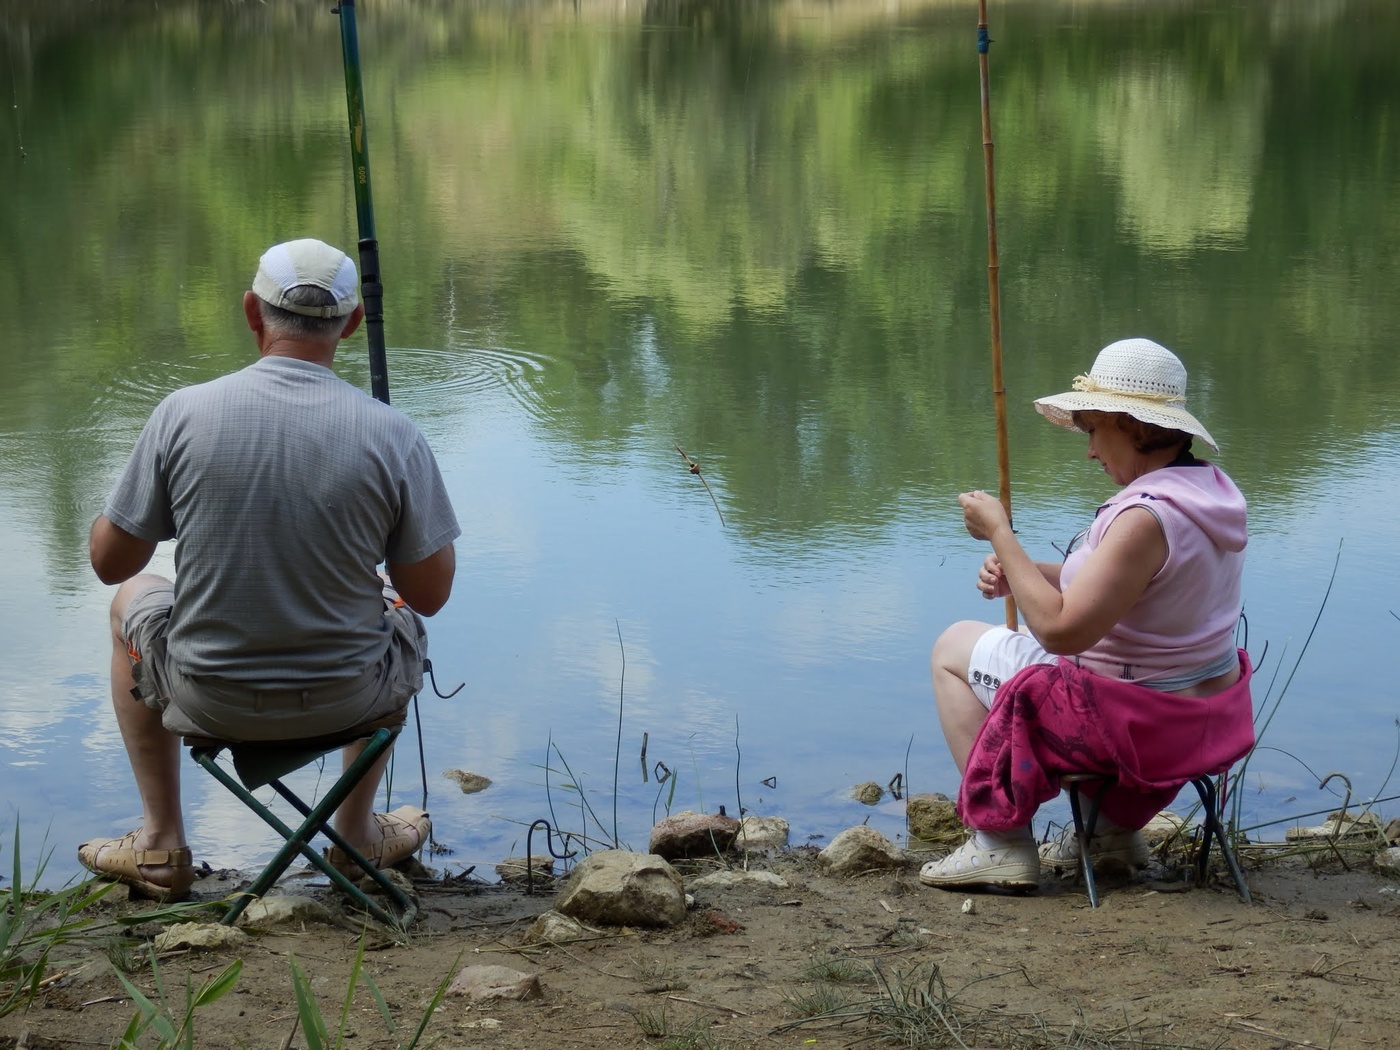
(1187, 616)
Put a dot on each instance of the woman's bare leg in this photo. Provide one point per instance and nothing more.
(959, 711)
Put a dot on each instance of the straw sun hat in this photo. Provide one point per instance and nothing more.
(1136, 376)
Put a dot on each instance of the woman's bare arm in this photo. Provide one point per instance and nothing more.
(1108, 584)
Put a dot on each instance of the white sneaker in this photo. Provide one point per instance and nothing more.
(1120, 846)
(1014, 866)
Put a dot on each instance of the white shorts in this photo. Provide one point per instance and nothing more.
(997, 656)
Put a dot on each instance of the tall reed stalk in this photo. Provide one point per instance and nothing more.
(1265, 709)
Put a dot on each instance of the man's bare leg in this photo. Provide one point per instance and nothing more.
(153, 751)
(355, 817)
(355, 820)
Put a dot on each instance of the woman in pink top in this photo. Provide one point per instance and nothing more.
(1143, 608)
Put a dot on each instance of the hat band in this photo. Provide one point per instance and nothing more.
(326, 312)
(1088, 385)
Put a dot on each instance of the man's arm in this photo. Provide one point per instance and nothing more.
(425, 585)
(116, 554)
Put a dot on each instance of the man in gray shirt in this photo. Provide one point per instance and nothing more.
(285, 488)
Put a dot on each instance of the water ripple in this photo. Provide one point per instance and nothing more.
(143, 389)
(432, 377)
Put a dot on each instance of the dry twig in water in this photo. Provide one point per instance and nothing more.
(695, 469)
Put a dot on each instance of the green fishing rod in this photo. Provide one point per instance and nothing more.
(371, 288)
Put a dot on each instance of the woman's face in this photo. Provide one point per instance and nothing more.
(1111, 447)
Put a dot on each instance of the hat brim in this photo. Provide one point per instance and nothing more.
(1058, 408)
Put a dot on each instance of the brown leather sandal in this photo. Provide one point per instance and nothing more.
(404, 832)
(120, 860)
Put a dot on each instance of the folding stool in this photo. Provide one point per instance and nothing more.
(263, 763)
(1212, 827)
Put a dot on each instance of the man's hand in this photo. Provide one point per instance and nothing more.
(116, 554)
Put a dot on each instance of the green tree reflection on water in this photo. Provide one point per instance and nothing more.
(759, 229)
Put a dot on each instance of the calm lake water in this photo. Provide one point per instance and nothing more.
(757, 232)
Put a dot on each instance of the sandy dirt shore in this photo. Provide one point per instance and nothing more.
(1312, 962)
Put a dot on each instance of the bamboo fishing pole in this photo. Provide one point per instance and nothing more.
(372, 290)
(994, 282)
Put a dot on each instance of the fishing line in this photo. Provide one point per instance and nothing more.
(14, 87)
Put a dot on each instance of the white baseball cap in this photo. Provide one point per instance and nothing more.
(307, 262)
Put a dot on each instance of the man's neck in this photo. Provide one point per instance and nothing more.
(317, 352)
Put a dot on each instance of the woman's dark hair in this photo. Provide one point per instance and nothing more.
(1146, 437)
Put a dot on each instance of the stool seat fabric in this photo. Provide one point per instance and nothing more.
(260, 762)
(1054, 719)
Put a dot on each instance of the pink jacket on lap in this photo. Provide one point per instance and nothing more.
(1053, 719)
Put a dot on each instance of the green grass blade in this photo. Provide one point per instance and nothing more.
(32, 925)
(313, 1025)
(132, 1033)
(585, 807)
(160, 1019)
(378, 998)
(219, 985)
(185, 911)
(151, 1015)
(143, 1004)
(25, 984)
(436, 1002)
(7, 927)
(16, 887)
(355, 969)
(89, 897)
(185, 1034)
(165, 1029)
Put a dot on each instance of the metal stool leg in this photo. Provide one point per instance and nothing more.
(317, 819)
(1215, 828)
(1083, 832)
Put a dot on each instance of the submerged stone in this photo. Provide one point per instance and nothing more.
(470, 783)
(868, 794)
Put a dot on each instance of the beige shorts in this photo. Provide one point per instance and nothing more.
(998, 656)
(230, 710)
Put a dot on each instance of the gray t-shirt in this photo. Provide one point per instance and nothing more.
(285, 487)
